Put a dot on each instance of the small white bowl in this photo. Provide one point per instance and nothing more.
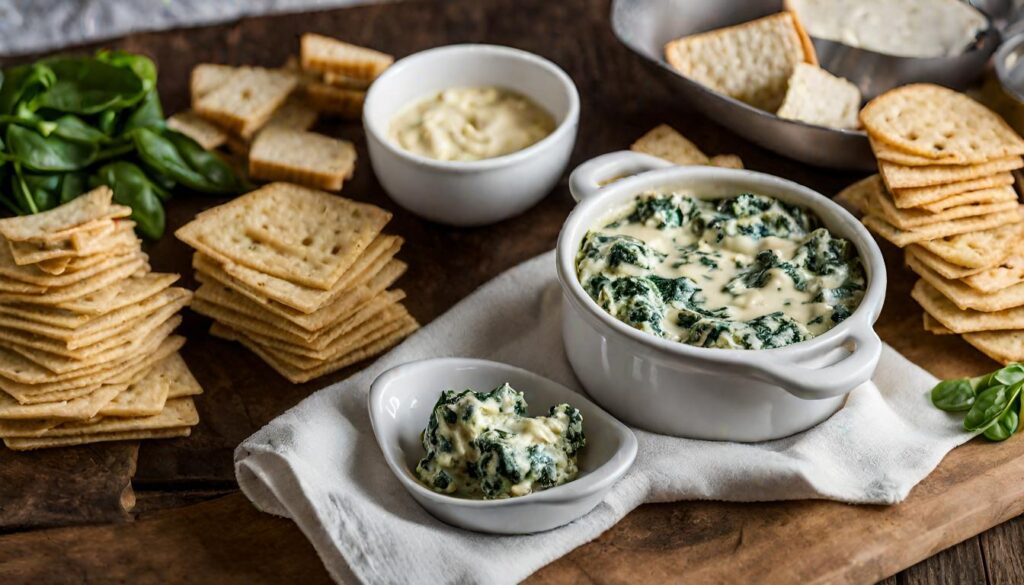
(470, 193)
(402, 398)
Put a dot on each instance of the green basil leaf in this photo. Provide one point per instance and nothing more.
(1004, 427)
(953, 395)
(211, 166)
(89, 86)
(50, 153)
(23, 83)
(133, 188)
(990, 405)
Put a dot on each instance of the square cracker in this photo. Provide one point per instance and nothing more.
(902, 177)
(992, 195)
(81, 408)
(958, 320)
(751, 62)
(180, 412)
(298, 375)
(306, 158)
(322, 53)
(665, 142)
(939, 230)
(295, 114)
(244, 301)
(33, 443)
(933, 121)
(180, 380)
(931, 325)
(299, 297)
(938, 195)
(83, 209)
(1006, 347)
(64, 294)
(965, 297)
(815, 96)
(313, 243)
(940, 265)
(336, 101)
(887, 152)
(982, 249)
(207, 77)
(1010, 272)
(205, 133)
(144, 397)
(249, 97)
(120, 294)
(11, 271)
(81, 244)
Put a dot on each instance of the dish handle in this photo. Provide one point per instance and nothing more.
(591, 177)
(829, 381)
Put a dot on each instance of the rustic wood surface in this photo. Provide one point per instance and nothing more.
(191, 524)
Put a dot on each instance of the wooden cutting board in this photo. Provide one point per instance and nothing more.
(224, 540)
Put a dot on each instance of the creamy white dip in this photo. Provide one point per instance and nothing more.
(470, 123)
(904, 28)
(482, 445)
(744, 272)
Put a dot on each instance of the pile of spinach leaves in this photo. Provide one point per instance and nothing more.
(992, 402)
(69, 123)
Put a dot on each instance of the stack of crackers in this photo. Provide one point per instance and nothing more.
(86, 346)
(945, 195)
(264, 115)
(299, 277)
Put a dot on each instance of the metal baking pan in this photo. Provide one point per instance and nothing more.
(645, 26)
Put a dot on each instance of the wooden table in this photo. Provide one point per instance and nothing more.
(76, 515)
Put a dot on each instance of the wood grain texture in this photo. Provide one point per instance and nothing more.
(225, 540)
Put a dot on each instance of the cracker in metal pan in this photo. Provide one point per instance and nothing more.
(815, 96)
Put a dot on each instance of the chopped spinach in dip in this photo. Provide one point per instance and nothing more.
(482, 445)
(744, 272)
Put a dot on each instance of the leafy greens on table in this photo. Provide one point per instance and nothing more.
(68, 124)
(992, 402)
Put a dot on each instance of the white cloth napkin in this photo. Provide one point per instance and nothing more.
(319, 464)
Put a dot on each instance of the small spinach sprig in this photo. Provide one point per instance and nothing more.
(992, 402)
(70, 123)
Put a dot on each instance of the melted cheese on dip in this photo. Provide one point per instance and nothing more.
(746, 272)
(471, 123)
(904, 28)
(482, 445)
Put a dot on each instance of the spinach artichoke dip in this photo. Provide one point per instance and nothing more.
(481, 445)
(470, 123)
(744, 272)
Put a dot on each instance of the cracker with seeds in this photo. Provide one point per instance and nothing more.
(312, 244)
(247, 100)
(305, 158)
(325, 54)
(935, 122)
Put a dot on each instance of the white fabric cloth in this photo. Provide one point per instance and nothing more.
(319, 464)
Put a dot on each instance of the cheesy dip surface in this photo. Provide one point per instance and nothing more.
(470, 123)
(482, 445)
(743, 272)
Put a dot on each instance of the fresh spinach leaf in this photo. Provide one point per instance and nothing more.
(1004, 427)
(953, 395)
(142, 66)
(162, 156)
(75, 129)
(88, 86)
(149, 114)
(990, 405)
(43, 189)
(72, 185)
(211, 166)
(133, 188)
(49, 153)
(22, 83)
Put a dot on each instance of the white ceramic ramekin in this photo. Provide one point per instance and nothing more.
(402, 399)
(706, 393)
(470, 193)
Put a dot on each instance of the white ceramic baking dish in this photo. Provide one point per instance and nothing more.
(707, 393)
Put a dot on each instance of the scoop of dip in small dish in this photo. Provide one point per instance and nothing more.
(471, 123)
(741, 272)
(481, 445)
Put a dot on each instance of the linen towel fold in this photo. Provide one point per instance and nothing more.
(319, 463)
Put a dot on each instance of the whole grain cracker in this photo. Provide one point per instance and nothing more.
(323, 53)
(95, 243)
(180, 412)
(33, 443)
(964, 321)
(887, 152)
(179, 378)
(313, 244)
(933, 121)
(83, 209)
(991, 195)
(940, 265)
(81, 408)
(1006, 347)
(57, 296)
(198, 128)
(305, 158)
(982, 249)
(248, 98)
(207, 77)
(881, 203)
(334, 101)
(939, 230)
(1010, 272)
(146, 397)
(120, 294)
